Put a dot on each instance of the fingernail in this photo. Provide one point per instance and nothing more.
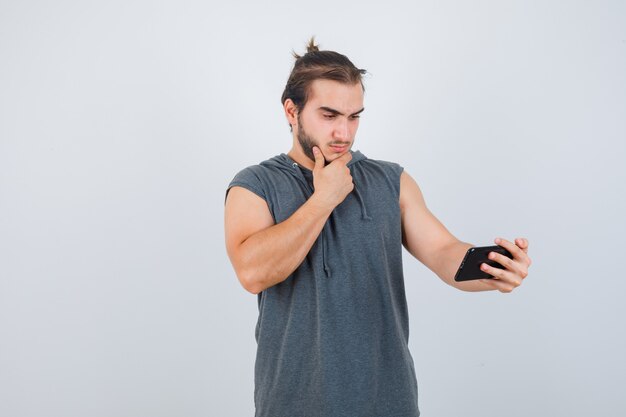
(498, 240)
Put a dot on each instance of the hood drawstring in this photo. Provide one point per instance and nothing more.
(364, 214)
(324, 255)
(295, 169)
(300, 175)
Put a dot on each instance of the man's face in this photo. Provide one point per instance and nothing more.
(330, 118)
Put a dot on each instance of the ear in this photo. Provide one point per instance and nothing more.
(291, 112)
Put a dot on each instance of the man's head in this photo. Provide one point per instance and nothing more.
(322, 101)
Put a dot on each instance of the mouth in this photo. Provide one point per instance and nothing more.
(339, 148)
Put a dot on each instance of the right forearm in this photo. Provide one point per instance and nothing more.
(271, 255)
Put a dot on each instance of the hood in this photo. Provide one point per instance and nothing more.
(284, 161)
(305, 176)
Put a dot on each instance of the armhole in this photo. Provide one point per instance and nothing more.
(253, 189)
(399, 169)
(248, 187)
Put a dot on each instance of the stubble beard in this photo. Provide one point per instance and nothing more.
(307, 142)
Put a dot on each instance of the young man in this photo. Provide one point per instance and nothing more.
(317, 233)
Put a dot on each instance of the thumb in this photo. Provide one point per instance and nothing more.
(522, 243)
(319, 159)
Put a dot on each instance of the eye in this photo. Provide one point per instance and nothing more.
(356, 116)
(329, 116)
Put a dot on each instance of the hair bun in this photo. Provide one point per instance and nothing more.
(311, 46)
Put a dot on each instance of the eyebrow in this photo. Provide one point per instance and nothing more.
(333, 111)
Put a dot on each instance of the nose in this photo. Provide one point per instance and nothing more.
(342, 131)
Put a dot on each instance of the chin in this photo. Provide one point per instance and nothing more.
(331, 151)
(332, 155)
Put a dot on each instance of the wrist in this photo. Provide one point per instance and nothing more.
(320, 205)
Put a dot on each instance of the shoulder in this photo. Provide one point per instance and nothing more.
(254, 178)
(263, 170)
(250, 179)
(259, 178)
(410, 192)
(391, 172)
(387, 166)
(250, 173)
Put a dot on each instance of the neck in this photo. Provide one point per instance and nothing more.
(298, 156)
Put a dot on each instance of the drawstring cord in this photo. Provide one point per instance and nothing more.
(324, 243)
(364, 216)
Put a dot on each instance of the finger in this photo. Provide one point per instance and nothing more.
(515, 250)
(518, 268)
(345, 158)
(498, 285)
(489, 282)
(319, 159)
(522, 243)
(505, 261)
(508, 278)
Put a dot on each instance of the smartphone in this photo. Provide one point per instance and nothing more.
(476, 256)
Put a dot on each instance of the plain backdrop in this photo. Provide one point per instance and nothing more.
(122, 122)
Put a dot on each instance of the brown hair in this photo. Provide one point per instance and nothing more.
(314, 65)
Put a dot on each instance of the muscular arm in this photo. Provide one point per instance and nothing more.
(428, 240)
(263, 253)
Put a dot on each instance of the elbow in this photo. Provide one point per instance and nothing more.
(253, 289)
(247, 275)
(249, 281)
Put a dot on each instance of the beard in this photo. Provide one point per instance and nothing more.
(307, 142)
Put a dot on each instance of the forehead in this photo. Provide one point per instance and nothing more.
(346, 98)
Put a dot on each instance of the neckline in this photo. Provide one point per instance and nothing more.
(296, 164)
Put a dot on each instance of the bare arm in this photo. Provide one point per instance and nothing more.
(431, 243)
(428, 240)
(263, 253)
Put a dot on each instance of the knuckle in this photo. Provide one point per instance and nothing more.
(524, 273)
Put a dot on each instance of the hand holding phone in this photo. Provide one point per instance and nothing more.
(474, 257)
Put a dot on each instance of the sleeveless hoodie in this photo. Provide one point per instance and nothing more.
(332, 338)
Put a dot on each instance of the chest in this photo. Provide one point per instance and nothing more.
(371, 210)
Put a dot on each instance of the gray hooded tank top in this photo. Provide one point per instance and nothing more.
(332, 339)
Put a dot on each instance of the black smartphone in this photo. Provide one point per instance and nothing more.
(476, 256)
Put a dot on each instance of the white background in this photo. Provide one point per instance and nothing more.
(122, 122)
